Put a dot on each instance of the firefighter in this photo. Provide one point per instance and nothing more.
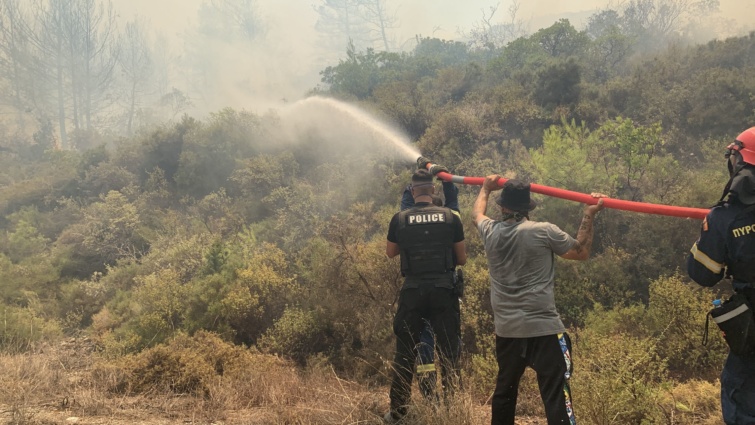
(726, 249)
(430, 241)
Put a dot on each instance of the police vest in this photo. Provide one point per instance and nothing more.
(425, 239)
(741, 247)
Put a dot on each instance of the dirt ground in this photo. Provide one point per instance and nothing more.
(143, 413)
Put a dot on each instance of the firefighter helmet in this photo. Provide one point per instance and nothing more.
(745, 145)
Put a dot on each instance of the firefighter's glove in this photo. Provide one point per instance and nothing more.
(422, 163)
(435, 169)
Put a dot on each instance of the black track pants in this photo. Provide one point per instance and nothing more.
(543, 354)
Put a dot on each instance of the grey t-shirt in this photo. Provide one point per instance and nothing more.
(522, 269)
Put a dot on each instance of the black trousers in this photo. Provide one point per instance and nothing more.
(738, 382)
(440, 307)
(545, 355)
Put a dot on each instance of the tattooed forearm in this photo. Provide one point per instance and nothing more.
(584, 234)
(586, 223)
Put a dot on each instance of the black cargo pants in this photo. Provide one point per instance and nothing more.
(440, 307)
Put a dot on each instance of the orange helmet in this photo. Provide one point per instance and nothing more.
(745, 145)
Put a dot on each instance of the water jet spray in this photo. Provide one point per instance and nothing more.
(379, 130)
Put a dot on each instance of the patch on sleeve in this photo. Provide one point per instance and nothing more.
(705, 224)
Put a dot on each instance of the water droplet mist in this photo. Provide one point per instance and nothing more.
(330, 115)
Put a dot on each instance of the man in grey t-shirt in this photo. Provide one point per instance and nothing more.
(529, 331)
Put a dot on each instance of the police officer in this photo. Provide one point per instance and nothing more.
(426, 374)
(726, 248)
(430, 242)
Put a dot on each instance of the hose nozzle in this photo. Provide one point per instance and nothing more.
(423, 162)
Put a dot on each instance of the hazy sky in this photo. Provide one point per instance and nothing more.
(289, 63)
(415, 16)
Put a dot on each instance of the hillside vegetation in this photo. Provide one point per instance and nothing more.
(206, 258)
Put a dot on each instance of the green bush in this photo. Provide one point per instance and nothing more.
(676, 315)
(159, 307)
(601, 281)
(617, 378)
(80, 300)
(22, 327)
(297, 335)
(25, 241)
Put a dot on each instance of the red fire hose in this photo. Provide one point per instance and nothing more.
(619, 204)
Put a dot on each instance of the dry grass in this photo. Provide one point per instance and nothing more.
(68, 383)
(694, 402)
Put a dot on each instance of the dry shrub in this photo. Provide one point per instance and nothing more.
(693, 402)
(329, 399)
(195, 365)
(257, 381)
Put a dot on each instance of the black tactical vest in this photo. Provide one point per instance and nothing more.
(425, 239)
